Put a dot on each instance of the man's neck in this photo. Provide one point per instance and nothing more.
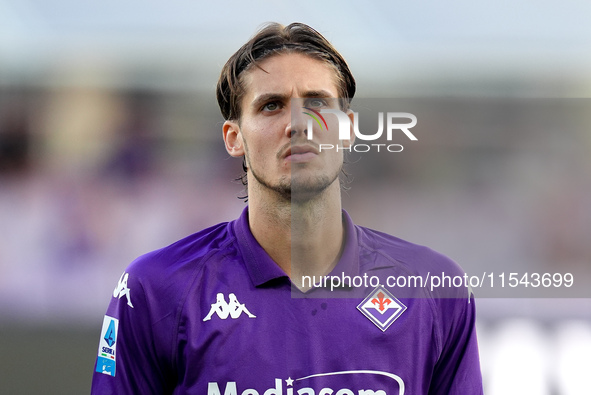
(303, 238)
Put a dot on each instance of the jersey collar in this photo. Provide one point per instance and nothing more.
(263, 269)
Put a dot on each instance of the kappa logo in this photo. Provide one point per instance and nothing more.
(122, 289)
(231, 309)
(381, 307)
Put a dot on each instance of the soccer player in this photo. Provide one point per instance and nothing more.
(231, 309)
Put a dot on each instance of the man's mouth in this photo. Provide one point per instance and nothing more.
(300, 153)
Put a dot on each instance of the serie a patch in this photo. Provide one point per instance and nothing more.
(107, 351)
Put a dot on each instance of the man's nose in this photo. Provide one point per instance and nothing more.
(298, 122)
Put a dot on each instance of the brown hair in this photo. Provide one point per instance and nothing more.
(272, 39)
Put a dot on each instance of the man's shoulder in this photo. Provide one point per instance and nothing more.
(416, 258)
(160, 281)
(185, 257)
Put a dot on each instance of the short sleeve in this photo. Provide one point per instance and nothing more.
(131, 355)
(458, 368)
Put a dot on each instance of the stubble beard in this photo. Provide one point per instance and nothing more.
(296, 187)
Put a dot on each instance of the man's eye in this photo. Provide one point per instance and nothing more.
(271, 106)
(313, 103)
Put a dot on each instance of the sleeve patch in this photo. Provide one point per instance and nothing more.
(107, 355)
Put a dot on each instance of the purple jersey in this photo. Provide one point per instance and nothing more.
(213, 314)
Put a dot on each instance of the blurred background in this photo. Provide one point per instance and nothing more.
(110, 146)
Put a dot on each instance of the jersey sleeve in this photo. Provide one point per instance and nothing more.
(457, 371)
(134, 351)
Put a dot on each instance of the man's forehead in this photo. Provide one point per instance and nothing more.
(291, 75)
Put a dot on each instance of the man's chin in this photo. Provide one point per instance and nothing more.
(299, 187)
(303, 190)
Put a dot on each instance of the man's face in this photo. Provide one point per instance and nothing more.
(272, 130)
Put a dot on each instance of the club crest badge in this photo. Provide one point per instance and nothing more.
(381, 307)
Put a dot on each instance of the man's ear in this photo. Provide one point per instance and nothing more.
(233, 138)
(351, 139)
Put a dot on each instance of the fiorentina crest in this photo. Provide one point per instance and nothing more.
(381, 307)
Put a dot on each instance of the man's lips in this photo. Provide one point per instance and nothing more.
(300, 152)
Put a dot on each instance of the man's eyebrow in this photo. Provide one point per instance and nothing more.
(319, 93)
(269, 97)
